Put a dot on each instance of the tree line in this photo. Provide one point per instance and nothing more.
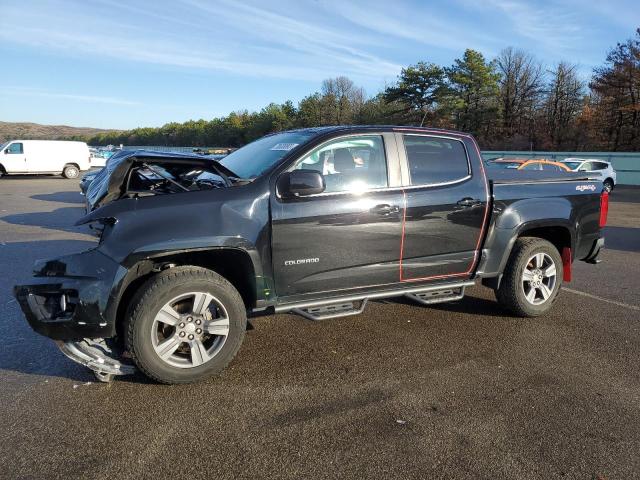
(512, 102)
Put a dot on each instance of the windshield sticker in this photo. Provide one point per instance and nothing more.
(284, 146)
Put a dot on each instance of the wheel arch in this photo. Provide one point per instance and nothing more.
(234, 264)
(558, 233)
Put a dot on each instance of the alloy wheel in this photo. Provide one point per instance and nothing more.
(539, 278)
(190, 329)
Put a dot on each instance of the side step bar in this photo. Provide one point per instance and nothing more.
(333, 310)
(439, 296)
(344, 306)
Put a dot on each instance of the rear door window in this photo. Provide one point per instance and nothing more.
(435, 160)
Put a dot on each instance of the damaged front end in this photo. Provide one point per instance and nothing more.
(70, 300)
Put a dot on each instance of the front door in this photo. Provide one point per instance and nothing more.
(13, 158)
(348, 236)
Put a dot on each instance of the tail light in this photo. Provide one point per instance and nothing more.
(604, 208)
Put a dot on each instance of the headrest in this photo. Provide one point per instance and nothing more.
(343, 160)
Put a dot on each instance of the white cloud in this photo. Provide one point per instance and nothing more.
(549, 26)
(214, 36)
(35, 92)
(423, 24)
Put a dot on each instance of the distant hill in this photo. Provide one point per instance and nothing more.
(28, 131)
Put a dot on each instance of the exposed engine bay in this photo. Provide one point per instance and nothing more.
(132, 174)
(162, 178)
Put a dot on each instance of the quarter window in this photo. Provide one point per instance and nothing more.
(435, 160)
(15, 148)
(349, 164)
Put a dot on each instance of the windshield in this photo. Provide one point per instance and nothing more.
(2, 147)
(255, 158)
(572, 165)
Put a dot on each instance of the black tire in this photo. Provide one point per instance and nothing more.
(511, 293)
(151, 297)
(71, 171)
(608, 185)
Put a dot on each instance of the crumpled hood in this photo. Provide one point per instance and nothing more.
(109, 183)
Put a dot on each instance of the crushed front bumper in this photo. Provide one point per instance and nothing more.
(70, 298)
(96, 355)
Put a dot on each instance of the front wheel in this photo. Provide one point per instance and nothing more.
(185, 324)
(532, 277)
(607, 185)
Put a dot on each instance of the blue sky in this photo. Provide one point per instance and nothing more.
(122, 64)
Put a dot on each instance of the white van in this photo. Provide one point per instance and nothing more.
(44, 156)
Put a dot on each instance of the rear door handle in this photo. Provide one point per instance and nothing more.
(385, 209)
(469, 202)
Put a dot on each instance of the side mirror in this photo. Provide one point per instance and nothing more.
(299, 183)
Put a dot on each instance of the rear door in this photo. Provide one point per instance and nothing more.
(349, 236)
(445, 205)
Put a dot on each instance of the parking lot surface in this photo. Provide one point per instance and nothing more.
(461, 390)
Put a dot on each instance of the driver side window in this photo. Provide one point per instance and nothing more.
(15, 148)
(354, 163)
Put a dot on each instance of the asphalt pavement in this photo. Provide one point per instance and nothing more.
(461, 390)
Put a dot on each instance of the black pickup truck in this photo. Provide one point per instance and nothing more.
(312, 221)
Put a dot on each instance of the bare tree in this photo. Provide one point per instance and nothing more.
(341, 99)
(616, 97)
(563, 104)
(521, 86)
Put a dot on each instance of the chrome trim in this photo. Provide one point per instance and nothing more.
(350, 192)
(441, 184)
(370, 296)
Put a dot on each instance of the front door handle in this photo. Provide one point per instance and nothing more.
(469, 202)
(385, 209)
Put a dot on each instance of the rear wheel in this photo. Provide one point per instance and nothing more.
(185, 324)
(607, 185)
(532, 277)
(71, 171)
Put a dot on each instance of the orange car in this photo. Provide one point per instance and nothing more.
(544, 164)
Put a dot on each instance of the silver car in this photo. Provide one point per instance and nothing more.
(598, 168)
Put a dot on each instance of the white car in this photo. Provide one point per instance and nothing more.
(44, 156)
(598, 169)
